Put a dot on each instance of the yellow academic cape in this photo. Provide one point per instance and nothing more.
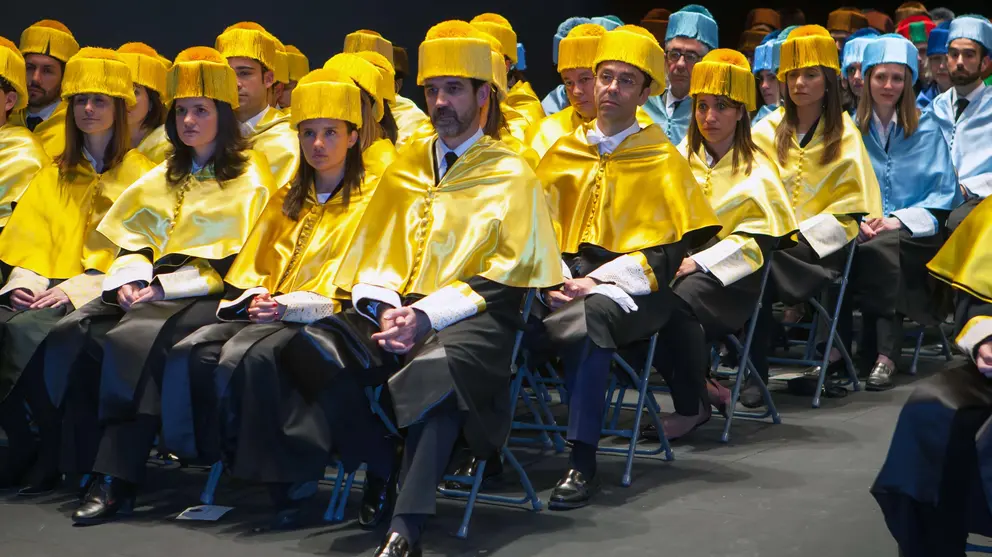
(22, 156)
(642, 195)
(377, 159)
(486, 217)
(426, 130)
(155, 145)
(542, 135)
(846, 187)
(53, 231)
(51, 132)
(965, 260)
(408, 118)
(275, 139)
(525, 101)
(749, 205)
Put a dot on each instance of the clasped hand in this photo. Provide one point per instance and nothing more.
(400, 329)
(22, 299)
(983, 358)
(265, 309)
(872, 227)
(573, 288)
(133, 293)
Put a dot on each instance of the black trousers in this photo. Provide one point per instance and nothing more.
(124, 447)
(682, 358)
(961, 212)
(881, 334)
(428, 449)
(24, 448)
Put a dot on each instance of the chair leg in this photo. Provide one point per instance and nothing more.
(529, 492)
(642, 394)
(916, 351)
(470, 504)
(332, 505)
(207, 497)
(343, 499)
(945, 346)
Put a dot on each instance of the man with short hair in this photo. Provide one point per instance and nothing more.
(963, 111)
(46, 46)
(628, 210)
(21, 153)
(692, 32)
(252, 52)
(940, 77)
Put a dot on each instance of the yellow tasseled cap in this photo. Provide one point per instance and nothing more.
(363, 40)
(299, 65)
(727, 73)
(807, 46)
(578, 48)
(146, 65)
(387, 75)
(202, 72)
(249, 40)
(499, 65)
(326, 93)
(634, 45)
(51, 38)
(454, 49)
(499, 27)
(363, 73)
(98, 70)
(281, 70)
(12, 70)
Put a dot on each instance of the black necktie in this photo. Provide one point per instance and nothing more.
(449, 160)
(961, 105)
(33, 121)
(675, 106)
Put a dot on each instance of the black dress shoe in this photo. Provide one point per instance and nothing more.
(43, 487)
(494, 467)
(751, 396)
(573, 491)
(397, 546)
(378, 496)
(107, 497)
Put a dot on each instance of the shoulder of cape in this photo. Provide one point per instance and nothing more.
(258, 169)
(18, 137)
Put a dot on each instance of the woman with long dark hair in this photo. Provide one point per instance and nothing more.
(146, 120)
(919, 188)
(178, 228)
(280, 282)
(827, 174)
(58, 257)
(718, 286)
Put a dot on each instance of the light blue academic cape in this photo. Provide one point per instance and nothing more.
(555, 101)
(763, 112)
(677, 125)
(915, 174)
(970, 139)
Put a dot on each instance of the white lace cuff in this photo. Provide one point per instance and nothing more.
(28, 280)
(976, 331)
(728, 260)
(630, 272)
(365, 291)
(919, 221)
(824, 233)
(450, 305)
(306, 307)
(237, 309)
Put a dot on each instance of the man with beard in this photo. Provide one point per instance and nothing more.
(46, 46)
(456, 232)
(940, 77)
(253, 53)
(692, 32)
(964, 112)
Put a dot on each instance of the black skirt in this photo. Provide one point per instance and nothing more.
(721, 310)
(21, 333)
(798, 273)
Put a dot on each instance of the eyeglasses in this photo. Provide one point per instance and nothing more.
(690, 57)
(625, 81)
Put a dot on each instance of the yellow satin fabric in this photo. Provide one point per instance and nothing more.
(22, 156)
(275, 139)
(53, 231)
(965, 260)
(51, 132)
(377, 159)
(200, 217)
(408, 118)
(487, 217)
(156, 145)
(286, 256)
(516, 122)
(846, 187)
(640, 196)
(542, 135)
(524, 100)
(754, 204)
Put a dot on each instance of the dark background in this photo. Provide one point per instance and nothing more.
(318, 28)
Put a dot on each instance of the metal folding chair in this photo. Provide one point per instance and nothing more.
(746, 368)
(832, 338)
(917, 335)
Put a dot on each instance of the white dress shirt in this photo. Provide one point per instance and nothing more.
(440, 150)
(248, 126)
(608, 143)
(46, 113)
